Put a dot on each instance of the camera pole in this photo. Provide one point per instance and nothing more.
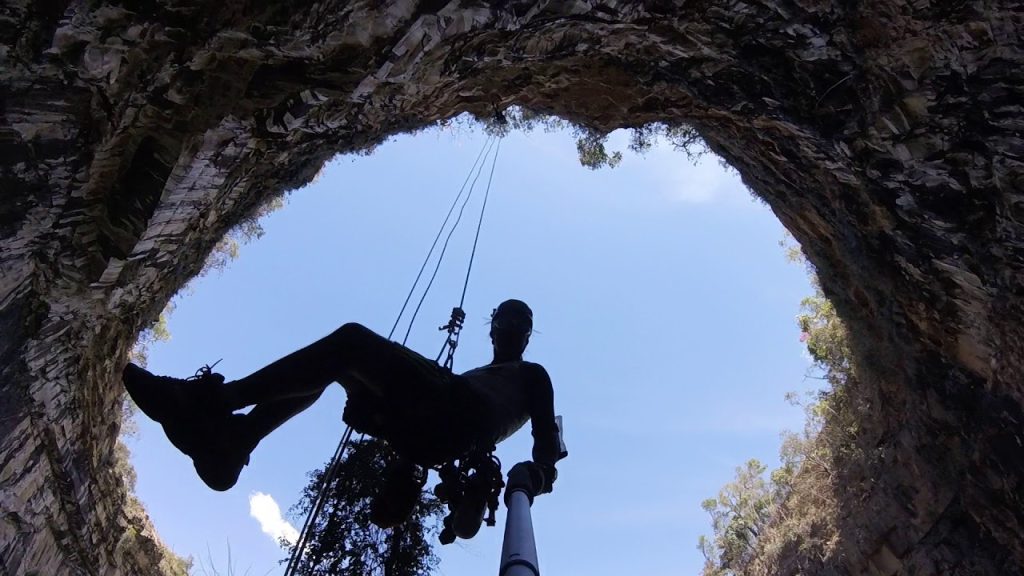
(519, 549)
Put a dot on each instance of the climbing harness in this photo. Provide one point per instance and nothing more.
(475, 477)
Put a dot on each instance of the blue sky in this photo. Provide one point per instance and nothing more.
(664, 310)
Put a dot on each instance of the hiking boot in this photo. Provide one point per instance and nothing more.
(398, 494)
(221, 458)
(188, 409)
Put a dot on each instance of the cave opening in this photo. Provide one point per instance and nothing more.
(658, 280)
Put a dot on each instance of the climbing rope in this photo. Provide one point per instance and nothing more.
(426, 260)
(318, 504)
(453, 327)
(479, 224)
(444, 248)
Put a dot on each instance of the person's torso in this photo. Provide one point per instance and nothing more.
(504, 391)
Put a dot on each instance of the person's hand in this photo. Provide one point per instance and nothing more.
(543, 476)
(533, 477)
(550, 474)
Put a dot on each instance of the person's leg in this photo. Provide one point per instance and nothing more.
(266, 417)
(364, 362)
(353, 355)
(196, 414)
(226, 451)
(374, 371)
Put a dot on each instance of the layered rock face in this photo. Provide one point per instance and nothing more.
(886, 135)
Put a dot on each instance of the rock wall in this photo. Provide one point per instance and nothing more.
(885, 134)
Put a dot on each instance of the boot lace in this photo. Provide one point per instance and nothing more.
(204, 372)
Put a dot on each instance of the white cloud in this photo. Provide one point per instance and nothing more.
(265, 510)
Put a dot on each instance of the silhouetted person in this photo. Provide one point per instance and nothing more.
(425, 412)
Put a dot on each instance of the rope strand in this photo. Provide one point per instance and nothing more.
(455, 328)
(440, 231)
(479, 224)
(444, 248)
(318, 505)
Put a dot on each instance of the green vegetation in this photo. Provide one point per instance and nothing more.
(738, 514)
(591, 144)
(343, 542)
(758, 517)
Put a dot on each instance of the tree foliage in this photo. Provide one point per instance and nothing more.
(738, 514)
(591, 144)
(748, 505)
(344, 542)
(825, 336)
(246, 231)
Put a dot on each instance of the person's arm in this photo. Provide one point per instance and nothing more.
(547, 446)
